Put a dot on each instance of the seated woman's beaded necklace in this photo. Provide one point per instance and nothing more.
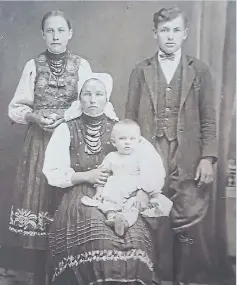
(93, 128)
(57, 65)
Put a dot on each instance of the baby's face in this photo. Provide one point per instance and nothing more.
(126, 139)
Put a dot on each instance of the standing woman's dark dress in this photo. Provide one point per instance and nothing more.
(31, 203)
(33, 198)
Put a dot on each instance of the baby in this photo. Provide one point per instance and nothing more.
(135, 165)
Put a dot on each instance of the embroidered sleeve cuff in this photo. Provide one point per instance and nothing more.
(18, 114)
(60, 179)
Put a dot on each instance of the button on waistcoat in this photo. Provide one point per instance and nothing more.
(168, 104)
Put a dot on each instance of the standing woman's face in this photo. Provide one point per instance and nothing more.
(56, 34)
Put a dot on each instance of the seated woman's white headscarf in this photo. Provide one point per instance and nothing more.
(75, 110)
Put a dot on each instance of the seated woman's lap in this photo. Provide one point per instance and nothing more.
(79, 236)
(68, 278)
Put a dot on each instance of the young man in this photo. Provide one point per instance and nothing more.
(170, 96)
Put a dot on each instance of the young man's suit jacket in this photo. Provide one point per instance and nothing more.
(196, 127)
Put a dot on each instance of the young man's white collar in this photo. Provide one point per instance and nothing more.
(169, 66)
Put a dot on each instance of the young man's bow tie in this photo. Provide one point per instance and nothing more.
(164, 56)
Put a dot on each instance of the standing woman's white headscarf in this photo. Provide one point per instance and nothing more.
(75, 110)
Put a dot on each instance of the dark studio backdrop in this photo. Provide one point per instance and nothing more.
(113, 37)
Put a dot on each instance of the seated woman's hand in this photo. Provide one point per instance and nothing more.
(98, 176)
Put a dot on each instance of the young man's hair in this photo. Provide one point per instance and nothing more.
(168, 14)
(126, 122)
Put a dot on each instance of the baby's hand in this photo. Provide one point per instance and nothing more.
(97, 196)
(142, 199)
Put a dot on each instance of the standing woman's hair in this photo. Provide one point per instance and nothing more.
(55, 13)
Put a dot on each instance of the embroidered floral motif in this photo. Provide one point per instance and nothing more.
(48, 95)
(71, 65)
(102, 255)
(41, 82)
(26, 222)
(41, 58)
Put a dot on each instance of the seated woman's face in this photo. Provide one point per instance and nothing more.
(93, 97)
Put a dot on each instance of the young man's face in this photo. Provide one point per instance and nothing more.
(170, 35)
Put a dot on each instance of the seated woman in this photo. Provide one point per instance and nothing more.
(84, 250)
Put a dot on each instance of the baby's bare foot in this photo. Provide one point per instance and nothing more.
(120, 225)
(110, 223)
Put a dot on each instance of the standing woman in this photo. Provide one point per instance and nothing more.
(47, 87)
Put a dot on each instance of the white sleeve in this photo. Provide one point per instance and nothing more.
(152, 171)
(23, 99)
(57, 163)
(84, 71)
(108, 161)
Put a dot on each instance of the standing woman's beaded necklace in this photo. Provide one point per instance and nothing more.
(93, 128)
(57, 65)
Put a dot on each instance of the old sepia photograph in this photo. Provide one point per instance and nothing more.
(118, 142)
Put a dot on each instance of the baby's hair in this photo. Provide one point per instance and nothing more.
(54, 14)
(168, 14)
(125, 122)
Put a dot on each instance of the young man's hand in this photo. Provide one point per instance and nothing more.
(204, 173)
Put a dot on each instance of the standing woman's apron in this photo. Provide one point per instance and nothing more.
(33, 199)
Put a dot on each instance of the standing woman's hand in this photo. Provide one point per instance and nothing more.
(41, 121)
(46, 123)
(54, 124)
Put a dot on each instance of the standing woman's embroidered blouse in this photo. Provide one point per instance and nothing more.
(24, 97)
